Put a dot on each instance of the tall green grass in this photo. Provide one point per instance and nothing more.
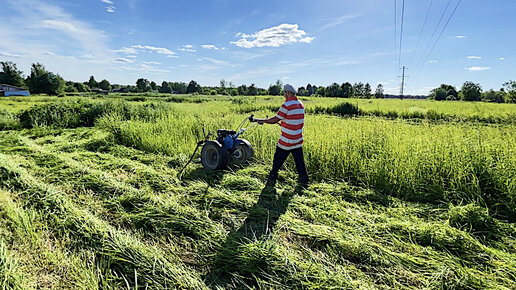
(424, 162)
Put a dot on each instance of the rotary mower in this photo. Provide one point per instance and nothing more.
(226, 149)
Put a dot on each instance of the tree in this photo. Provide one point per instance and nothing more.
(358, 89)
(143, 85)
(41, 81)
(309, 89)
(321, 91)
(510, 89)
(367, 91)
(81, 88)
(179, 87)
(252, 91)
(347, 90)
(379, 92)
(275, 90)
(438, 94)
(242, 90)
(333, 90)
(193, 87)
(92, 83)
(470, 91)
(153, 85)
(165, 88)
(105, 85)
(10, 74)
(493, 96)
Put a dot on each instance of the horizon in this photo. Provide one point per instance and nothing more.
(243, 43)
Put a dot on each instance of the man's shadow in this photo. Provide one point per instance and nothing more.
(258, 226)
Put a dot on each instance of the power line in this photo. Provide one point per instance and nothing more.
(421, 33)
(433, 34)
(401, 31)
(440, 34)
(395, 37)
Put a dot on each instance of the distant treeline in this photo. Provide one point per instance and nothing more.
(42, 81)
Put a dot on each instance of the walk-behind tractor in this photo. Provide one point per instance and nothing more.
(228, 148)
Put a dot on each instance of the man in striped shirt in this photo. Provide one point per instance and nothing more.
(292, 117)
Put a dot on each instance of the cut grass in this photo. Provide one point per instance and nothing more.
(124, 212)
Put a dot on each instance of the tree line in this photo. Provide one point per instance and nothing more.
(41, 81)
(471, 91)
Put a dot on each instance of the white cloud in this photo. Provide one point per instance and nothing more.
(142, 67)
(7, 54)
(111, 9)
(87, 56)
(478, 68)
(433, 61)
(474, 57)
(215, 61)
(340, 21)
(151, 62)
(273, 37)
(123, 60)
(209, 46)
(160, 50)
(187, 48)
(460, 36)
(501, 58)
(126, 50)
(108, 2)
(48, 53)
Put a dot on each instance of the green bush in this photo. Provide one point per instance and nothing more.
(8, 120)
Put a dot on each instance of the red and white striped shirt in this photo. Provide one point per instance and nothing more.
(292, 116)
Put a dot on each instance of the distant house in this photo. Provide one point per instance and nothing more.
(120, 90)
(8, 90)
(99, 91)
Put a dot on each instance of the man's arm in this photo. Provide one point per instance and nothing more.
(272, 120)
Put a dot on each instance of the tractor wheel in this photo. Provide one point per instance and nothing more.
(213, 156)
(242, 154)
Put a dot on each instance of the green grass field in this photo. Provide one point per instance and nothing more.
(399, 198)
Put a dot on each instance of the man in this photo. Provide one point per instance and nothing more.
(292, 116)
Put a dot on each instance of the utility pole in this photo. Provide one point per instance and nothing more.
(402, 83)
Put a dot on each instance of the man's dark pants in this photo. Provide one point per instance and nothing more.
(279, 158)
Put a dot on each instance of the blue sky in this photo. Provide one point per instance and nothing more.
(297, 42)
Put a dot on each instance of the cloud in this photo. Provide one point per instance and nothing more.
(87, 56)
(215, 61)
(340, 21)
(126, 50)
(111, 6)
(478, 68)
(187, 48)
(123, 60)
(501, 58)
(433, 61)
(7, 54)
(209, 46)
(474, 57)
(273, 37)
(141, 67)
(460, 36)
(159, 50)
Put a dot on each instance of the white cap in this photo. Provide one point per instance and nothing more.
(289, 88)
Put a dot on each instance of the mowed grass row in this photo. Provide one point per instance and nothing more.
(461, 163)
(122, 219)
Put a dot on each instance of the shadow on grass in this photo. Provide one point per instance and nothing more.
(235, 259)
(212, 178)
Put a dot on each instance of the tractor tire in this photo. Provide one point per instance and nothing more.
(243, 154)
(213, 156)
